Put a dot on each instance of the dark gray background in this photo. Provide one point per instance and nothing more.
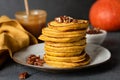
(74, 8)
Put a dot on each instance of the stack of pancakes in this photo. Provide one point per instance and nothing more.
(65, 42)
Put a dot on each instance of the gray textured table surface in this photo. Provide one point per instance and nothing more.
(106, 71)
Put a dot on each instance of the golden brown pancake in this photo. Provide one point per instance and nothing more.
(55, 33)
(58, 64)
(65, 44)
(64, 49)
(62, 54)
(81, 24)
(78, 58)
(53, 39)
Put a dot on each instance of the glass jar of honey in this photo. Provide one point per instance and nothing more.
(34, 22)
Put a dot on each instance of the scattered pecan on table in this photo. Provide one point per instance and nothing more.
(23, 75)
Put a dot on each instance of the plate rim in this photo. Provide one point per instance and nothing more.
(52, 68)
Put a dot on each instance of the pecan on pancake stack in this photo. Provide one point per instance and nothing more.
(65, 42)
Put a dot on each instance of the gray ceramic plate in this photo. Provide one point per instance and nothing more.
(97, 53)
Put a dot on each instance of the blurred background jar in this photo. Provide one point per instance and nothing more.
(34, 22)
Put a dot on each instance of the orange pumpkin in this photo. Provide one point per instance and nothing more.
(105, 14)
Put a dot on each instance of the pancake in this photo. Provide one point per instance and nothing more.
(58, 64)
(53, 39)
(64, 49)
(81, 24)
(78, 58)
(67, 44)
(63, 54)
(55, 33)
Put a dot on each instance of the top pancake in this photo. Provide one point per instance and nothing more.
(81, 24)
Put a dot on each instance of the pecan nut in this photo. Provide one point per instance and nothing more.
(35, 60)
(65, 19)
(23, 75)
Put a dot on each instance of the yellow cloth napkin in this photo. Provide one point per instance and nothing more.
(13, 36)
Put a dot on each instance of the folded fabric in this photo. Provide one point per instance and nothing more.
(13, 36)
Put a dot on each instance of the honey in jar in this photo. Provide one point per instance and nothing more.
(34, 22)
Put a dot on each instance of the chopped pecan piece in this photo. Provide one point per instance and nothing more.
(23, 75)
(93, 31)
(65, 19)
